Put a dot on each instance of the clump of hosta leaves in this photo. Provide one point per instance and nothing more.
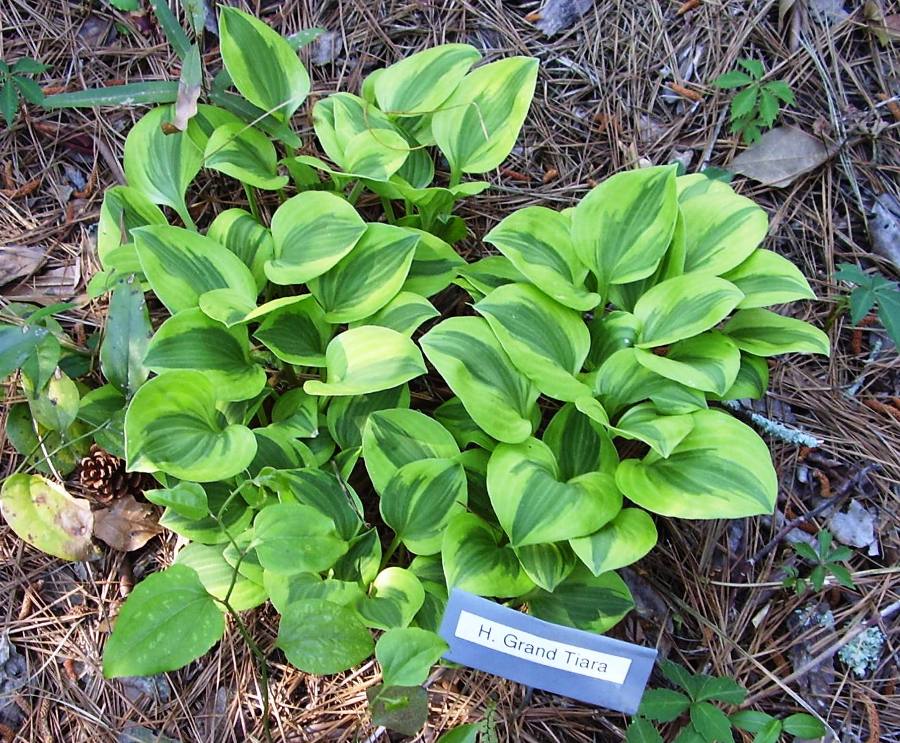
(273, 404)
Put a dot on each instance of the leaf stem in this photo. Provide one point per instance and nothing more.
(251, 198)
(388, 210)
(392, 548)
(355, 192)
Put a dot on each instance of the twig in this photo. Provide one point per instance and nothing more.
(774, 428)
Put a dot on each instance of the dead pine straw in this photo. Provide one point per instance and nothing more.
(627, 84)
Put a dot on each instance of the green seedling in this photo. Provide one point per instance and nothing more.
(871, 291)
(826, 560)
(756, 107)
(16, 83)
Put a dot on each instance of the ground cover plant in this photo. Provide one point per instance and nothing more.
(235, 430)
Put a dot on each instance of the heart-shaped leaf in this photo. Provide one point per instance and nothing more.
(580, 444)
(475, 561)
(404, 313)
(321, 637)
(187, 499)
(708, 362)
(218, 577)
(347, 415)
(764, 333)
(535, 507)
(472, 362)
(767, 278)
(238, 231)
(584, 601)
(296, 333)
(407, 654)
(246, 154)
(172, 425)
(396, 597)
(321, 491)
(291, 538)
(624, 540)
(547, 565)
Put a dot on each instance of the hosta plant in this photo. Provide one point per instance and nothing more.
(302, 444)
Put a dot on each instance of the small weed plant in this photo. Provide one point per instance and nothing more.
(282, 405)
(755, 108)
(872, 291)
(825, 559)
(16, 83)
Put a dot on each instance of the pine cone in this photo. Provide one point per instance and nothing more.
(103, 476)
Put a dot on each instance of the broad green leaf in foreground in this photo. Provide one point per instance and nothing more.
(246, 154)
(297, 332)
(584, 601)
(218, 578)
(767, 278)
(765, 333)
(293, 538)
(407, 654)
(167, 621)
(624, 540)
(128, 332)
(708, 362)
(321, 637)
(397, 595)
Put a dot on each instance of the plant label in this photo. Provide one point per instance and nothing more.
(577, 664)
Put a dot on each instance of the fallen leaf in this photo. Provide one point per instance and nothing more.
(855, 528)
(19, 261)
(558, 15)
(189, 85)
(781, 156)
(57, 282)
(127, 525)
(13, 676)
(138, 734)
(884, 228)
(828, 12)
(326, 48)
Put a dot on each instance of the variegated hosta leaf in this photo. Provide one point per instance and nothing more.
(580, 444)
(532, 503)
(475, 561)
(206, 121)
(621, 381)
(296, 413)
(545, 340)
(547, 565)
(291, 538)
(340, 118)
(662, 433)
(347, 416)
(487, 274)
(297, 333)
(123, 209)
(393, 438)
(767, 278)
(765, 333)
(721, 470)
(420, 83)
(262, 64)
(172, 425)
(368, 277)
(752, 379)
(238, 231)
(584, 601)
(624, 540)
(434, 266)
(420, 499)
(181, 265)
(477, 126)
(453, 416)
(230, 310)
(367, 359)
(187, 499)
(312, 232)
(362, 560)
(191, 340)
(707, 362)
(721, 228)
(477, 369)
(233, 516)
(246, 154)
(611, 332)
(372, 154)
(404, 313)
(397, 596)
(622, 228)
(683, 307)
(160, 165)
(285, 590)
(277, 449)
(217, 577)
(538, 242)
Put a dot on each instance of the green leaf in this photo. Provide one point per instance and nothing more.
(262, 65)
(545, 340)
(752, 379)
(624, 540)
(175, 34)
(584, 601)
(662, 433)
(477, 126)
(362, 560)
(366, 359)
(753, 66)
(181, 265)
(421, 82)
(232, 514)
(17, 344)
(663, 705)
(403, 709)
(472, 362)
(771, 733)
(733, 79)
(862, 300)
(123, 209)
(161, 165)
(347, 415)
(238, 231)
(722, 469)
(843, 575)
(312, 232)
(537, 242)
(172, 425)
(29, 90)
(155, 91)
(9, 102)
(721, 689)
(535, 507)
(396, 596)
(889, 313)
(547, 565)
(475, 561)
(453, 416)
(765, 333)
(803, 726)
(56, 405)
(285, 590)
(292, 538)
(781, 90)
(580, 444)
(246, 154)
(806, 552)
(750, 720)
(721, 229)
(642, 731)
(44, 515)
(217, 576)
(611, 332)
(683, 307)
(711, 722)
(187, 499)
(128, 332)
(433, 267)
(320, 637)
(404, 313)
(167, 621)
(420, 499)
(622, 228)
(394, 438)
(767, 278)
(689, 734)
(29, 66)
(297, 333)
(744, 103)
(709, 362)
(768, 107)
(464, 734)
(296, 414)
(368, 277)
(407, 654)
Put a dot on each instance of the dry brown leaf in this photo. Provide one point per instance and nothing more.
(19, 261)
(127, 525)
(782, 155)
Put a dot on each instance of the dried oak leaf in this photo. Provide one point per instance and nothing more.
(19, 261)
(127, 525)
(781, 156)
